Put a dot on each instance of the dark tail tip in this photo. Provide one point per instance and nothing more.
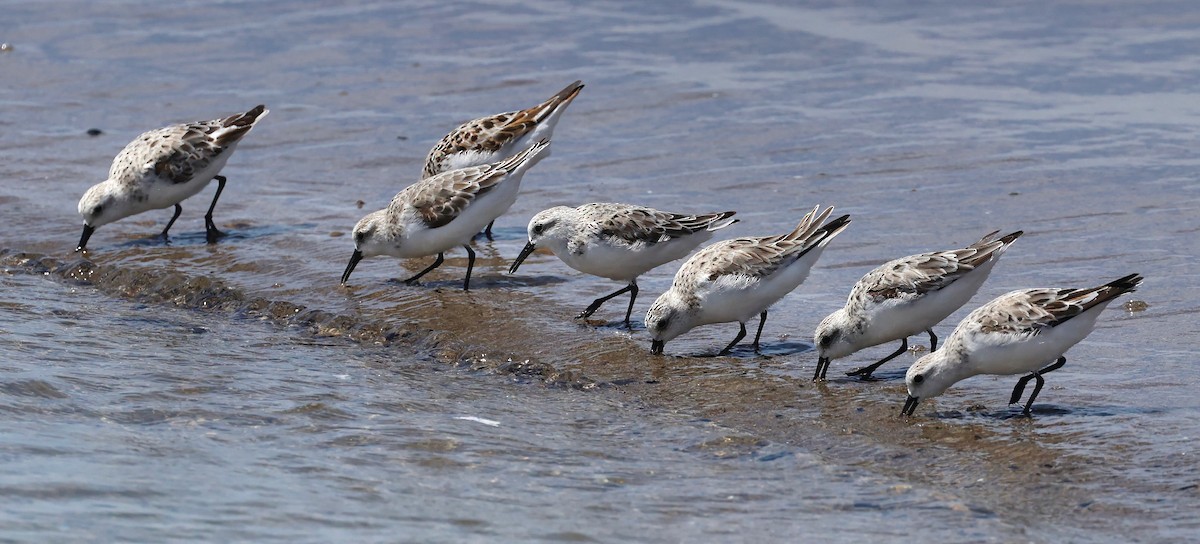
(1008, 238)
(1126, 284)
(837, 223)
(246, 119)
(571, 89)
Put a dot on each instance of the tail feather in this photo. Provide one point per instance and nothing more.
(1120, 286)
(817, 237)
(833, 228)
(234, 127)
(987, 248)
(1089, 298)
(1011, 237)
(704, 221)
(561, 99)
(722, 220)
(246, 119)
(526, 158)
(810, 224)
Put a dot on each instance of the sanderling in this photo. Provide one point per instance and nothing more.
(618, 241)
(1021, 331)
(903, 297)
(446, 210)
(163, 167)
(735, 280)
(497, 137)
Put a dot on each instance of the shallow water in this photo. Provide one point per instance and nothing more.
(261, 434)
(274, 403)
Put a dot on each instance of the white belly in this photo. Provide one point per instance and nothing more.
(622, 264)
(162, 193)
(890, 322)
(989, 356)
(425, 241)
(728, 301)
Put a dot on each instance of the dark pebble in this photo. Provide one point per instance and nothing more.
(94, 132)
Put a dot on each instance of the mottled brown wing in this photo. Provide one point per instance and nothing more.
(753, 257)
(1031, 310)
(484, 134)
(918, 274)
(761, 257)
(1026, 312)
(439, 199)
(493, 132)
(192, 150)
(647, 225)
(187, 148)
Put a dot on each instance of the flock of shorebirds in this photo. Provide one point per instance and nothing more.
(473, 175)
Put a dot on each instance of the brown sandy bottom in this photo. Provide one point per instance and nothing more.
(987, 461)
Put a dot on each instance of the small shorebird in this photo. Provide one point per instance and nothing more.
(443, 211)
(497, 137)
(163, 167)
(903, 297)
(618, 241)
(736, 279)
(1021, 331)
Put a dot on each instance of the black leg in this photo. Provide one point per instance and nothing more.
(595, 305)
(470, 266)
(210, 228)
(488, 231)
(865, 372)
(762, 320)
(178, 210)
(633, 291)
(435, 264)
(740, 336)
(1019, 389)
(932, 340)
(1037, 388)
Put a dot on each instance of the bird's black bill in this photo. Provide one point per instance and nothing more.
(87, 233)
(656, 346)
(357, 256)
(910, 405)
(822, 364)
(529, 248)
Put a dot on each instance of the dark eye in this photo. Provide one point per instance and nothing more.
(97, 210)
(918, 378)
(538, 228)
(359, 237)
(826, 341)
